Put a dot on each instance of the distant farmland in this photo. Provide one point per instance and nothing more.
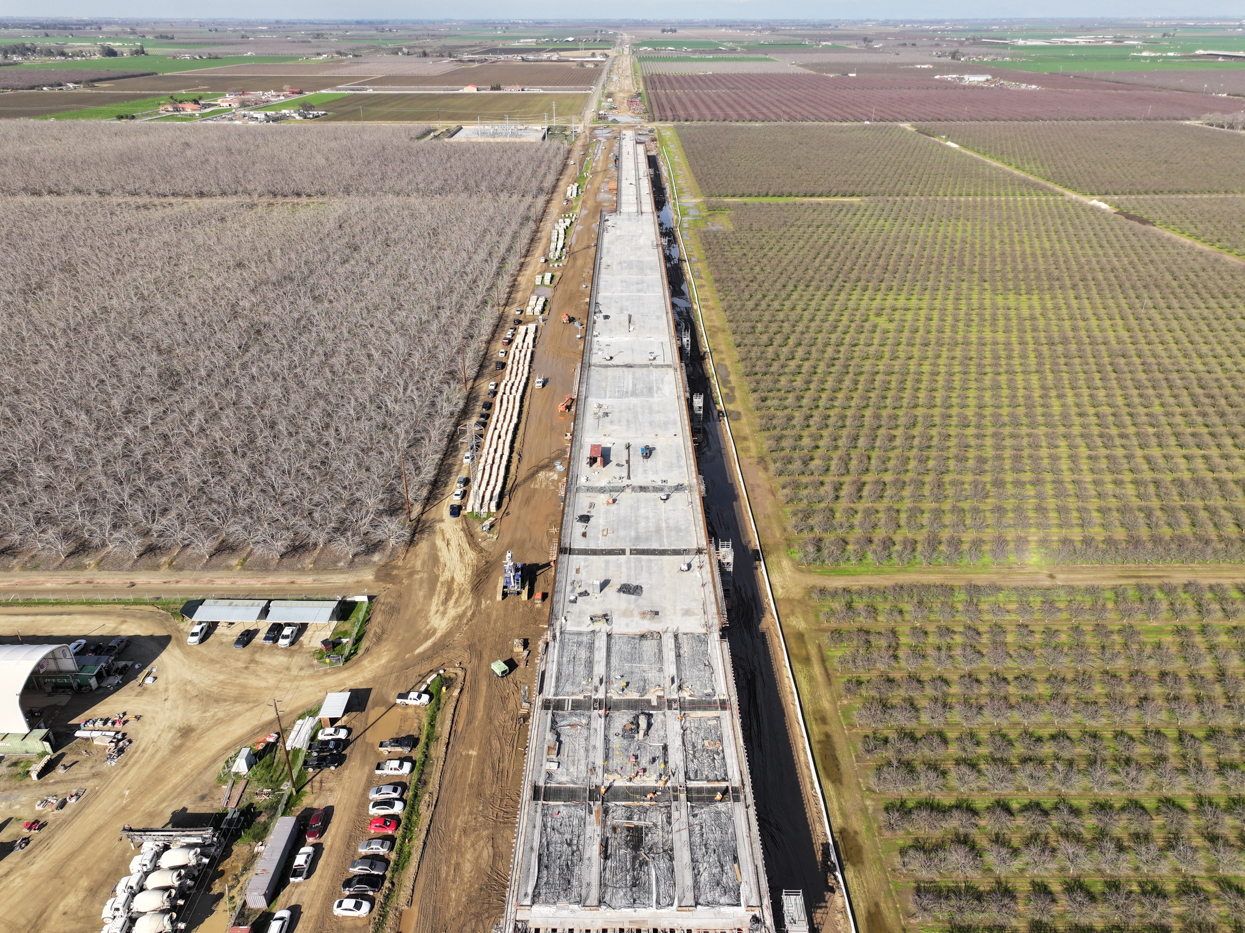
(1112, 157)
(523, 74)
(454, 108)
(1188, 178)
(842, 161)
(772, 97)
(982, 380)
(19, 79)
(17, 104)
(1218, 220)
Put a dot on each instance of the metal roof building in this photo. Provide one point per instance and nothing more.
(17, 664)
(334, 707)
(230, 610)
(303, 611)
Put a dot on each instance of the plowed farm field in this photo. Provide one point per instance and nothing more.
(1113, 157)
(507, 74)
(452, 108)
(776, 97)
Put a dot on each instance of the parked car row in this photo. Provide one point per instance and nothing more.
(283, 636)
(328, 751)
(385, 804)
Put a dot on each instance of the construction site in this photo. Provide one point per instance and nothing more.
(636, 808)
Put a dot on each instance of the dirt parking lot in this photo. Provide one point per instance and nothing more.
(206, 702)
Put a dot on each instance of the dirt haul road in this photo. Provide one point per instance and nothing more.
(461, 882)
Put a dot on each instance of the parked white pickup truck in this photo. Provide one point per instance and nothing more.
(421, 695)
(414, 698)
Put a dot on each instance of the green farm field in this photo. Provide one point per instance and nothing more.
(27, 104)
(453, 108)
(986, 382)
(312, 101)
(111, 111)
(1063, 758)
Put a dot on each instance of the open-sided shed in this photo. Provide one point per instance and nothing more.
(230, 610)
(334, 707)
(304, 611)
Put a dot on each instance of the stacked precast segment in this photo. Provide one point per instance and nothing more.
(494, 457)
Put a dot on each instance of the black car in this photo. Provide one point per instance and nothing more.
(363, 884)
(401, 743)
(455, 510)
(486, 406)
(324, 762)
(517, 321)
(492, 393)
(244, 637)
(273, 633)
(326, 746)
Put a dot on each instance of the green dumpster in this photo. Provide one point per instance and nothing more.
(500, 668)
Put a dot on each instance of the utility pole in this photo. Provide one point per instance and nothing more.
(289, 769)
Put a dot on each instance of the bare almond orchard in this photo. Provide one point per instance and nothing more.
(434, 607)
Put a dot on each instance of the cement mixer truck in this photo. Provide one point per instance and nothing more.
(118, 906)
(129, 884)
(181, 858)
(146, 861)
(165, 878)
(155, 923)
(148, 902)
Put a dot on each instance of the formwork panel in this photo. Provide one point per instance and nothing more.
(635, 746)
(574, 671)
(695, 669)
(714, 854)
(567, 746)
(637, 869)
(636, 666)
(560, 876)
(702, 747)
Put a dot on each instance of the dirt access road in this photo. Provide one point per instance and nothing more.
(462, 879)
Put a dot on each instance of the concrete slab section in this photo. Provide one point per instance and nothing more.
(633, 726)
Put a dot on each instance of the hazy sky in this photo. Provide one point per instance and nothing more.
(663, 9)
